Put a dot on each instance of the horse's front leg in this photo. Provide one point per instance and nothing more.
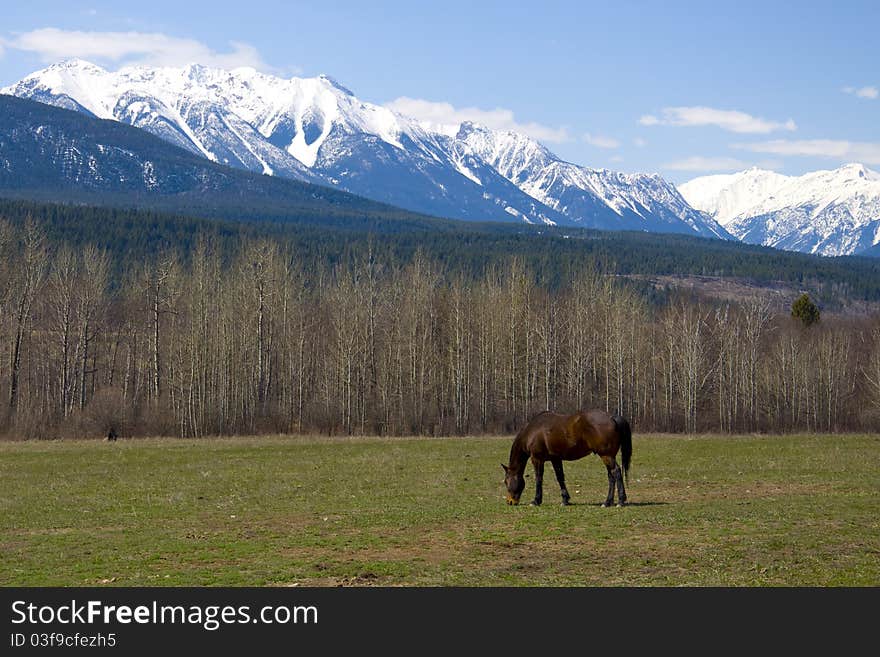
(560, 477)
(539, 481)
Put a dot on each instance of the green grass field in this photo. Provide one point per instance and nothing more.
(797, 510)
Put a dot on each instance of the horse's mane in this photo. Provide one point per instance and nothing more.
(518, 449)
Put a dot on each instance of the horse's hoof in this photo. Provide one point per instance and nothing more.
(535, 503)
(621, 504)
(566, 503)
(605, 505)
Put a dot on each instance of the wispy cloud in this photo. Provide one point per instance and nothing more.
(700, 163)
(51, 44)
(836, 149)
(601, 141)
(871, 93)
(445, 115)
(730, 120)
(641, 143)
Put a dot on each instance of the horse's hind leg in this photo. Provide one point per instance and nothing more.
(560, 477)
(610, 465)
(615, 478)
(539, 481)
(621, 491)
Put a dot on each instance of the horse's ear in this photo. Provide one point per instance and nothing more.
(505, 467)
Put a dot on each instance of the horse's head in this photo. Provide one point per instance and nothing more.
(515, 483)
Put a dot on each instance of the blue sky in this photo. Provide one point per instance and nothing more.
(683, 88)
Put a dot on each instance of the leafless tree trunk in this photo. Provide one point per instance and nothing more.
(34, 264)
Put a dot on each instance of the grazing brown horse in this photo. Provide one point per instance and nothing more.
(557, 438)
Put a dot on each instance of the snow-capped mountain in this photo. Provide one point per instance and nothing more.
(825, 212)
(592, 197)
(315, 130)
(57, 155)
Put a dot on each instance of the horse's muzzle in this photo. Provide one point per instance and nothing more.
(512, 501)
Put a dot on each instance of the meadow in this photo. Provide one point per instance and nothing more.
(308, 511)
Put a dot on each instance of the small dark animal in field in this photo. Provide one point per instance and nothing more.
(557, 438)
(112, 435)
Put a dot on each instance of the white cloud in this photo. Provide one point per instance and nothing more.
(700, 163)
(846, 151)
(445, 116)
(871, 93)
(601, 141)
(731, 120)
(617, 158)
(641, 143)
(52, 44)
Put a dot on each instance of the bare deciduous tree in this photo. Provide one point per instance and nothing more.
(209, 343)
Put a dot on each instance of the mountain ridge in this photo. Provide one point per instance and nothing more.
(826, 212)
(316, 130)
(49, 153)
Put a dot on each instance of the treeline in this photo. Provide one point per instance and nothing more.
(205, 345)
(463, 248)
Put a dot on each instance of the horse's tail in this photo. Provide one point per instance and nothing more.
(626, 444)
